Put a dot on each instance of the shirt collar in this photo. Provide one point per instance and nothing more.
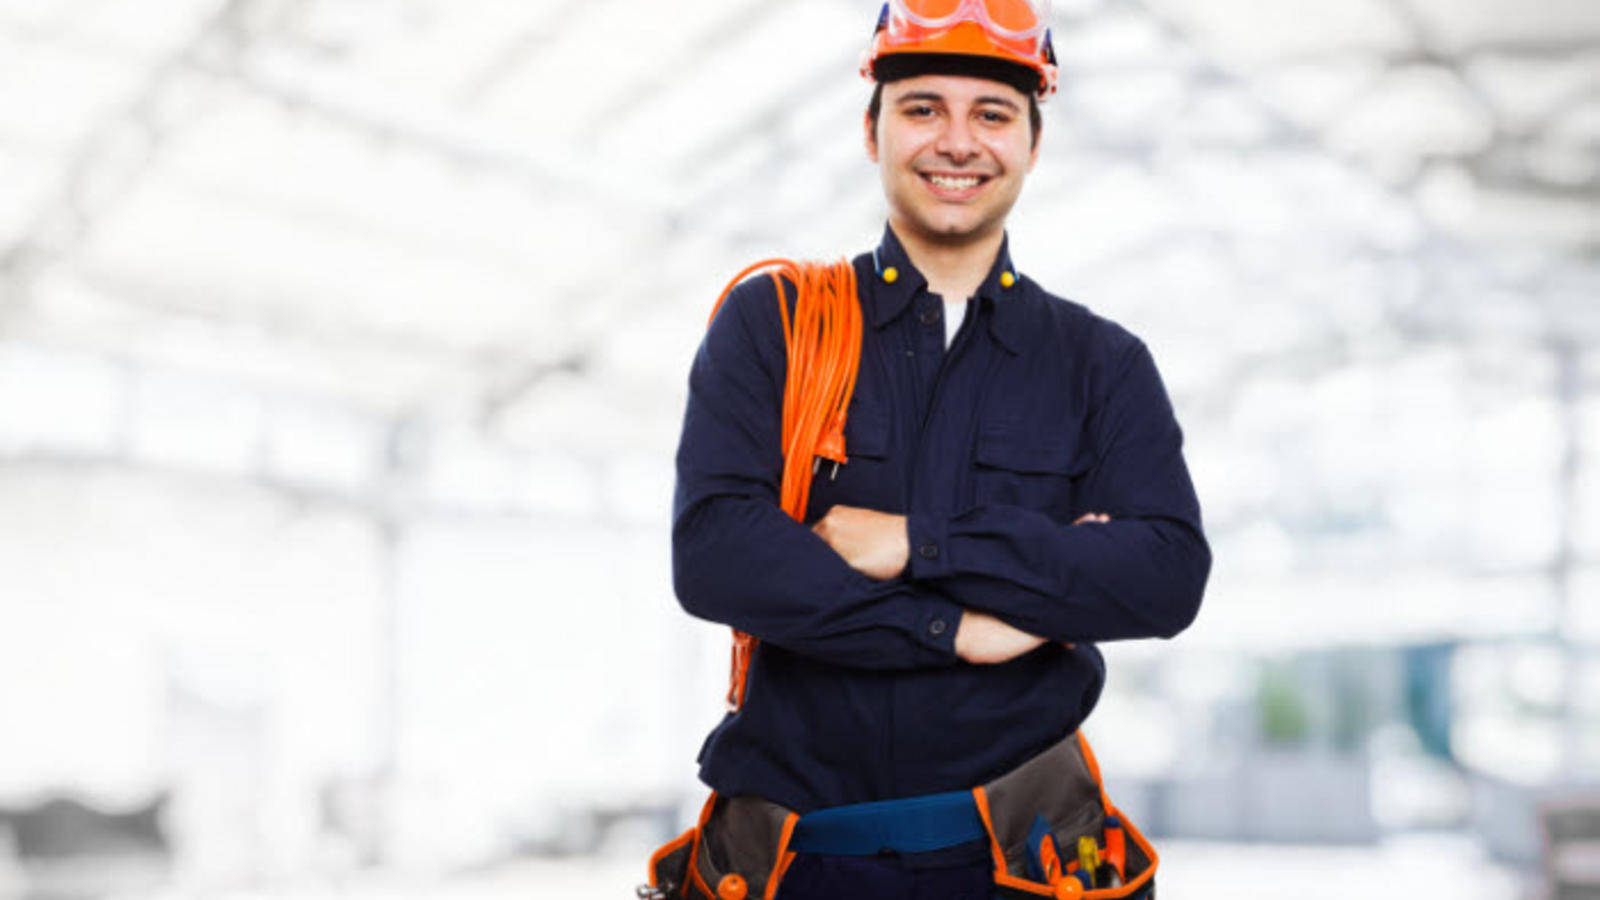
(895, 280)
(890, 298)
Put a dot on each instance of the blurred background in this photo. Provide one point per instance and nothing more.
(343, 347)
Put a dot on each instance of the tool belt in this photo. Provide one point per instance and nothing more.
(1039, 819)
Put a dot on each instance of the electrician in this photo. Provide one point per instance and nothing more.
(1014, 490)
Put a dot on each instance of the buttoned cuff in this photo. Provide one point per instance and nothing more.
(929, 537)
(937, 627)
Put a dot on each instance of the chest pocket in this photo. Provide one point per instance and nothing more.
(1037, 465)
(866, 480)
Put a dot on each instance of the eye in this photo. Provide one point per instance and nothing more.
(919, 111)
(994, 117)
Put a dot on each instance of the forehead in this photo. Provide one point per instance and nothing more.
(955, 88)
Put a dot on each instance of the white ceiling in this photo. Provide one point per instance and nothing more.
(327, 224)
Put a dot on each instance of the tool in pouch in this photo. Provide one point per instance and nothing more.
(740, 847)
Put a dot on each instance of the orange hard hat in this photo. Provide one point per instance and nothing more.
(1007, 40)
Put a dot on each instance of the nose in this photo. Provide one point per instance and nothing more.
(957, 141)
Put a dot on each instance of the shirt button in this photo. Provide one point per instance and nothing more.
(929, 550)
(930, 317)
(937, 626)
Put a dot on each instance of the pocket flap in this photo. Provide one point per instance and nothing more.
(866, 431)
(1046, 450)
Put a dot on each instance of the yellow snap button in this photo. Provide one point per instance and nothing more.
(1007, 279)
(890, 274)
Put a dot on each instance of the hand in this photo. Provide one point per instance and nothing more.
(982, 639)
(873, 543)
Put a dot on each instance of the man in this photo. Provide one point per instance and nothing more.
(1014, 492)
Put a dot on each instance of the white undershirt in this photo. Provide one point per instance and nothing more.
(954, 312)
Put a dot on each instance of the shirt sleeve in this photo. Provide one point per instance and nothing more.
(1140, 575)
(737, 557)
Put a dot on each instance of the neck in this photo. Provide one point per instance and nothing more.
(954, 270)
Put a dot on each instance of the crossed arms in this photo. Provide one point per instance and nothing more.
(1008, 579)
(876, 545)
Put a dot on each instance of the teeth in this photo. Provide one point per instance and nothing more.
(946, 181)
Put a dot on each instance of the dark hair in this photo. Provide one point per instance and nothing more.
(1035, 118)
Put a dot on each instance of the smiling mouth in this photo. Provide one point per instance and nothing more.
(953, 182)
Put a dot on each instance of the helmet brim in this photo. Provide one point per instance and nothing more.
(909, 64)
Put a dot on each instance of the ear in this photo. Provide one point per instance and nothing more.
(1033, 155)
(870, 137)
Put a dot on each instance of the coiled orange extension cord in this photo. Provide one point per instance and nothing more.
(823, 342)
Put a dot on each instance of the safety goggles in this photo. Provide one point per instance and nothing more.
(1021, 26)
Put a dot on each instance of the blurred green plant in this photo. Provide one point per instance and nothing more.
(1281, 707)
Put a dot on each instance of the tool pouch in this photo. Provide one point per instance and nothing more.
(1060, 793)
(739, 849)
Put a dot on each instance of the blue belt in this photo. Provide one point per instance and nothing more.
(910, 825)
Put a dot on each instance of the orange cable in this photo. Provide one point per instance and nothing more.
(823, 343)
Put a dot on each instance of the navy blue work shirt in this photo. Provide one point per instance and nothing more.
(1040, 411)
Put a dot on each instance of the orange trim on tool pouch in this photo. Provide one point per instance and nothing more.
(694, 854)
(1094, 770)
(1001, 876)
(696, 880)
(783, 869)
(1127, 826)
(668, 849)
(823, 343)
(1004, 878)
(785, 857)
(1149, 850)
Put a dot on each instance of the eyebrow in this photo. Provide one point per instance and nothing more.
(933, 95)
